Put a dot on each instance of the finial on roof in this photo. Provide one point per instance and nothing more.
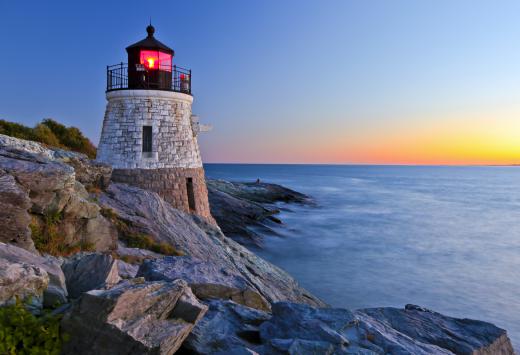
(150, 29)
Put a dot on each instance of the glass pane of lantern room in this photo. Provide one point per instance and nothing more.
(165, 61)
(150, 59)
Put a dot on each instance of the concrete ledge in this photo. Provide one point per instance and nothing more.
(152, 94)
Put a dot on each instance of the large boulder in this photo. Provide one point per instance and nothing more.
(206, 279)
(22, 281)
(227, 328)
(150, 214)
(90, 271)
(460, 336)
(37, 187)
(56, 290)
(132, 318)
(89, 172)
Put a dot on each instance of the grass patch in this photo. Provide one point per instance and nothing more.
(48, 240)
(135, 239)
(23, 333)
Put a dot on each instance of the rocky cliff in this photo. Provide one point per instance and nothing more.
(129, 274)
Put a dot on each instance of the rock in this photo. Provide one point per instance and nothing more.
(23, 281)
(39, 182)
(242, 209)
(78, 205)
(227, 328)
(56, 292)
(14, 218)
(36, 174)
(206, 279)
(258, 192)
(237, 217)
(460, 336)
(301, 329)
(89, 271)
(149, 213)
(25, 146)
(135, 255)
(126, 270)
(99, 233)
(90, 173)
(132, 318)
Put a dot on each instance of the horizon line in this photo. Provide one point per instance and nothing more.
(371, 164)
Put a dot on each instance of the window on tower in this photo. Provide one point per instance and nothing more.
(191, 194)
(147, 139)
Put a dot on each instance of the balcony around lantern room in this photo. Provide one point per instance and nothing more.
(149, 76)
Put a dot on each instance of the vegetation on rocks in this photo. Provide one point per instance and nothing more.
(48, 240)
(51, 133)
(135, 239)
(23, 333)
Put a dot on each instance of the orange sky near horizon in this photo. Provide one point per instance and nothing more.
(483, 138)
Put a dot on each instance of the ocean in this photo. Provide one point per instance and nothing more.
(444, 238)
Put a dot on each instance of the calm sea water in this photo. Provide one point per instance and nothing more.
(446, 238)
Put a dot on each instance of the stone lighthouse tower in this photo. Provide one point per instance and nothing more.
(149, 134)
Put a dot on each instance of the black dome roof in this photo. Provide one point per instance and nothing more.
(150, 43)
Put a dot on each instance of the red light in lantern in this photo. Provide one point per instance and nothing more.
(155, 60)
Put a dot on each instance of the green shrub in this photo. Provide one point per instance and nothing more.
(22, 333)
(16, 130)
(51, 133)
(44, 135)
(71, 138)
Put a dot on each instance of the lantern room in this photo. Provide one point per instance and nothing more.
(150, 66)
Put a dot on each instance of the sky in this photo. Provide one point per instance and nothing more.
(283, 81)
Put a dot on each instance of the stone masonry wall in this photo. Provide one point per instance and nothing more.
(174, 141)
(170, 184)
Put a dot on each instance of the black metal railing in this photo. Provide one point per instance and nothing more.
(117, 78)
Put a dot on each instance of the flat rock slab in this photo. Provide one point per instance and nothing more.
(206, 279)
(134, 317)
(258, 191)
(89, 271)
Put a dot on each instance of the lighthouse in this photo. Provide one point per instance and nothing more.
(149, 134)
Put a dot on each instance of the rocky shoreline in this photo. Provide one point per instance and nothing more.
(241, 209)
(131, 274)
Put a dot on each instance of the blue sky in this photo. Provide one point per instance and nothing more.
(285, 81)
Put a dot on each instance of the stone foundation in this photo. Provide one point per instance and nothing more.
(171, 185)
